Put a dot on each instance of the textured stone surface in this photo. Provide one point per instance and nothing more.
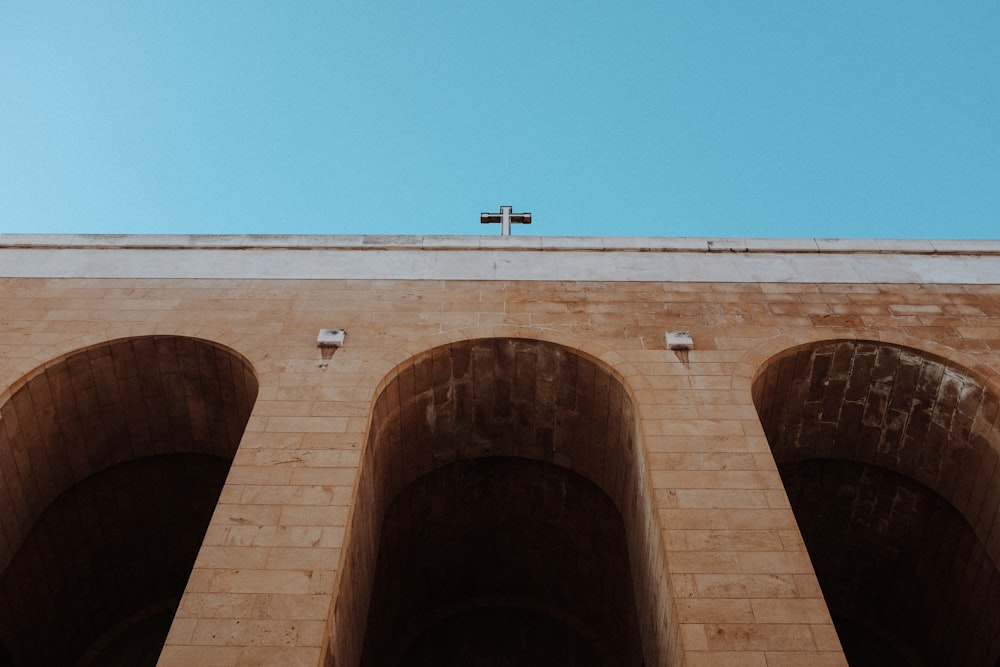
(882, 450)
(499, 401)
(507, 258)
(720, 570)
(113, 461)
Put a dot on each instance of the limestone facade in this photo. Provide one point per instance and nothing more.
(504, 428)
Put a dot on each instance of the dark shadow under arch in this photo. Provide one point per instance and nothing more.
(110, 553)
(889, 458)
(119, 454)
(459, 427)
(517, 541)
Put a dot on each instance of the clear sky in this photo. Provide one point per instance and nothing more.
(697, 118)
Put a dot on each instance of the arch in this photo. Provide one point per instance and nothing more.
(105, 453)
(755, 361)
(53, 352)
(466, 420)
(589, 347)
(889, 455)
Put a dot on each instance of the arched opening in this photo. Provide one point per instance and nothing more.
(113, 459)
(889, 457)
(496, 557)
(500, 517)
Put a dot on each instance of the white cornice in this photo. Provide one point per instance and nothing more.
(500, 258)
(565, 243)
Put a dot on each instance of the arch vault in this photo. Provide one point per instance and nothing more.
(498, 516)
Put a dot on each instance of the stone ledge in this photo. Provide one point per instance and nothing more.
(510, 243)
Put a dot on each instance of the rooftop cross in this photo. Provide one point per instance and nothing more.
(505, 217)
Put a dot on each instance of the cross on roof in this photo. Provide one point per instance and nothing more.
(505, 218)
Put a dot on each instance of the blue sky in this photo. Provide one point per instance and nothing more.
(770, 119)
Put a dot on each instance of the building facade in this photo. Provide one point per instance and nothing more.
(522, 450)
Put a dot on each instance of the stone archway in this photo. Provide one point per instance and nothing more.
(890, 459)
(112, 459)
(500, 496)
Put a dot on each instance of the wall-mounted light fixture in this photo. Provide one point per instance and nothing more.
(329, 341)
(679, 340)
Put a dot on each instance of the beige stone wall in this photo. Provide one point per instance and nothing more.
(739, 584)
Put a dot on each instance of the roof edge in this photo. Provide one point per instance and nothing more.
(508, 243)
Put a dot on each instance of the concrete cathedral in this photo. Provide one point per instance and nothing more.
(399, 451)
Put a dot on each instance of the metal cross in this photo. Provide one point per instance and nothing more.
(505, 217)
